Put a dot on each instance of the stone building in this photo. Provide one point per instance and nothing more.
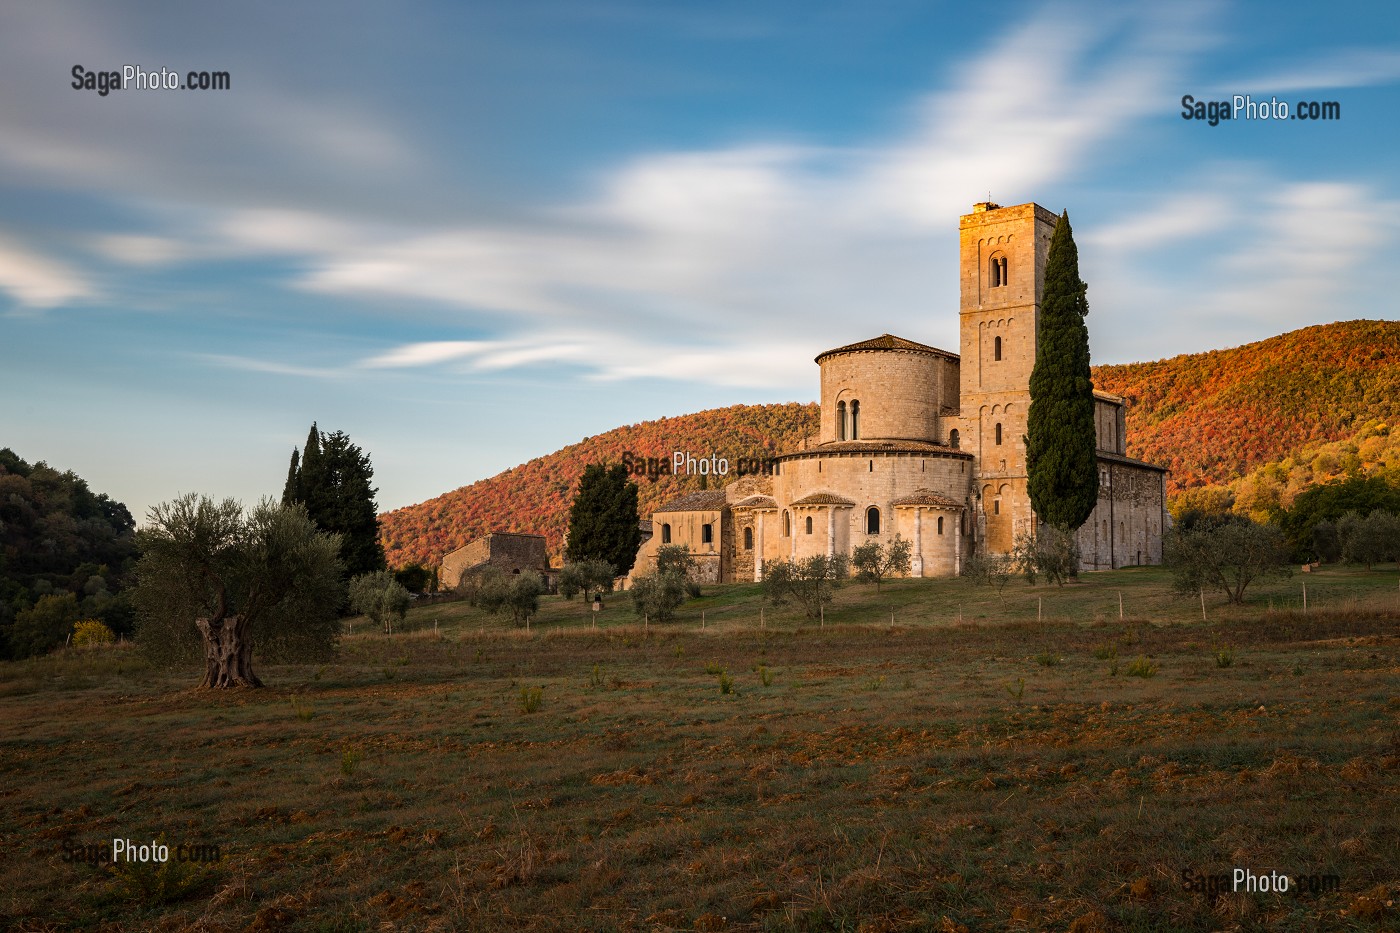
(927, 444)
(510, 552)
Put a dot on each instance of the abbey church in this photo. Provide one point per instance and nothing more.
(925, 443)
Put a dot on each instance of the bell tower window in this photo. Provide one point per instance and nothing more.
(998, 432)
(998, 271)
(996, 349)
(855, 420)
(840, 421)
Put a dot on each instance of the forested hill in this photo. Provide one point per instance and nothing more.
(1210, 417)
(1213, 417)
(534, 497)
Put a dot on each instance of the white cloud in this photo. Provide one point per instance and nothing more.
(36, 281)
(1340, 68)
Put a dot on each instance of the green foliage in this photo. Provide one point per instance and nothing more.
(873, 561)
(1017, 691)
(349, 760)
(417, 579)
(587, 577)
(603, 522)
(809, 582)
(271, 570)
(1227, 554)
(675, 558)
(1053, 553)
(658, 596)
(90, 632)
(1062, 466)
(1370, 540)
(1141, 667)
(379, 596)
(765, 675)
(333, 481)
(150, 884)
(1047, 659)
(46, 625)
(1224, 656)
(57, 535)
(495, 591)
(1105, 651)
(1362, 495)
(531, 698)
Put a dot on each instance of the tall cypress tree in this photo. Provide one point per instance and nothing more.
(289, 491)
(603, 519)
(334, 483)
(1060, 443)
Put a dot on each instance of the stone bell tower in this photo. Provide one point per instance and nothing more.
(1002, 270)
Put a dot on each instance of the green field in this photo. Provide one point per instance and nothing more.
(936, 756)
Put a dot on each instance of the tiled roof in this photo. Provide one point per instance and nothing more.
(823, 498)
(709, 500)
(929, 498)
(888, 342)
(757, 502)
(875, 447)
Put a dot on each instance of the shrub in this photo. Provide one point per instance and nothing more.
(380, 597)
(1141, 667)
(1052, 552)
(726, 683)
(1224, 657)
(658, 596)
(1047, 659)
(530, 699)
(810, 582)
(1227, 554)
(988, 570)
(90, 632)
(873, 562)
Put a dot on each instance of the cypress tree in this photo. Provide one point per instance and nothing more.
(603, 519)
(289, 491)
(1060, 443)
(334, 483)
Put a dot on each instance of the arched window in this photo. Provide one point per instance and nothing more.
(840, 421)
(996, 506)
(666, 534)
(855, 420)
(809, 524)
(940, 524)
(996, 349)
(998, 432)
(707, 534)
(787, 525)
(872, 521)
(748, 539)
(998, 271)
(954, 438)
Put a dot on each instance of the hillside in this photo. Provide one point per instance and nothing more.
(534, 497)
(1243, 417)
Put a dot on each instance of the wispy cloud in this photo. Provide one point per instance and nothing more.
(34, 281)
(1339, 68)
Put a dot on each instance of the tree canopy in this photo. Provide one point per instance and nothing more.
(214, 582)
(1063, 479)
(332, 478)
(58, 537)
(603, 521)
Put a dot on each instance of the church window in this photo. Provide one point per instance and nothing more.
(998, 432)
(809, 524)
(748, 539)
(953, 438)
(998, 271)
(840, 421)
(787, 525)
(872, 466)
(872, 521)
(666, 534)
(855, 420)
(996, 349)
(707, 534)
(940, 524)
(996, 506)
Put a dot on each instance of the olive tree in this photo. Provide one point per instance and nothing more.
(1228, 554)
(380, 597)
(213, 581)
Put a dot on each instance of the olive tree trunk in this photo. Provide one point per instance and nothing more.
(228, 653)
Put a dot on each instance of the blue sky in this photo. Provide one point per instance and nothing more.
(469, 234)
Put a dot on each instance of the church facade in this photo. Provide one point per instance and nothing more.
(926, 444)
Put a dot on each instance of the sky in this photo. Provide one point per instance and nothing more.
(468, 234)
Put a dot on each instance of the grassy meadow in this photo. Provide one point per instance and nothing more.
(931, 756)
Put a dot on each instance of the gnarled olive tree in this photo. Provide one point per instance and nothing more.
(211, 577)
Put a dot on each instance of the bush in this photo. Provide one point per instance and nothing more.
(45, 625)
(380, 596)
(1141, 667)
(1052, 552)
(873, 562)
(810, 582)
(530, 699)
(1226, 554)
(988, 570)
(658, 596)
(91, 632)
(586, 577)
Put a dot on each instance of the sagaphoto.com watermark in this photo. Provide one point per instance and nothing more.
(1245, 107)
(134, 77)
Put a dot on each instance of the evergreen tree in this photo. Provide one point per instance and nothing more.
(289, 491)
(603, 519)
(334, 483)
(1060, 443)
